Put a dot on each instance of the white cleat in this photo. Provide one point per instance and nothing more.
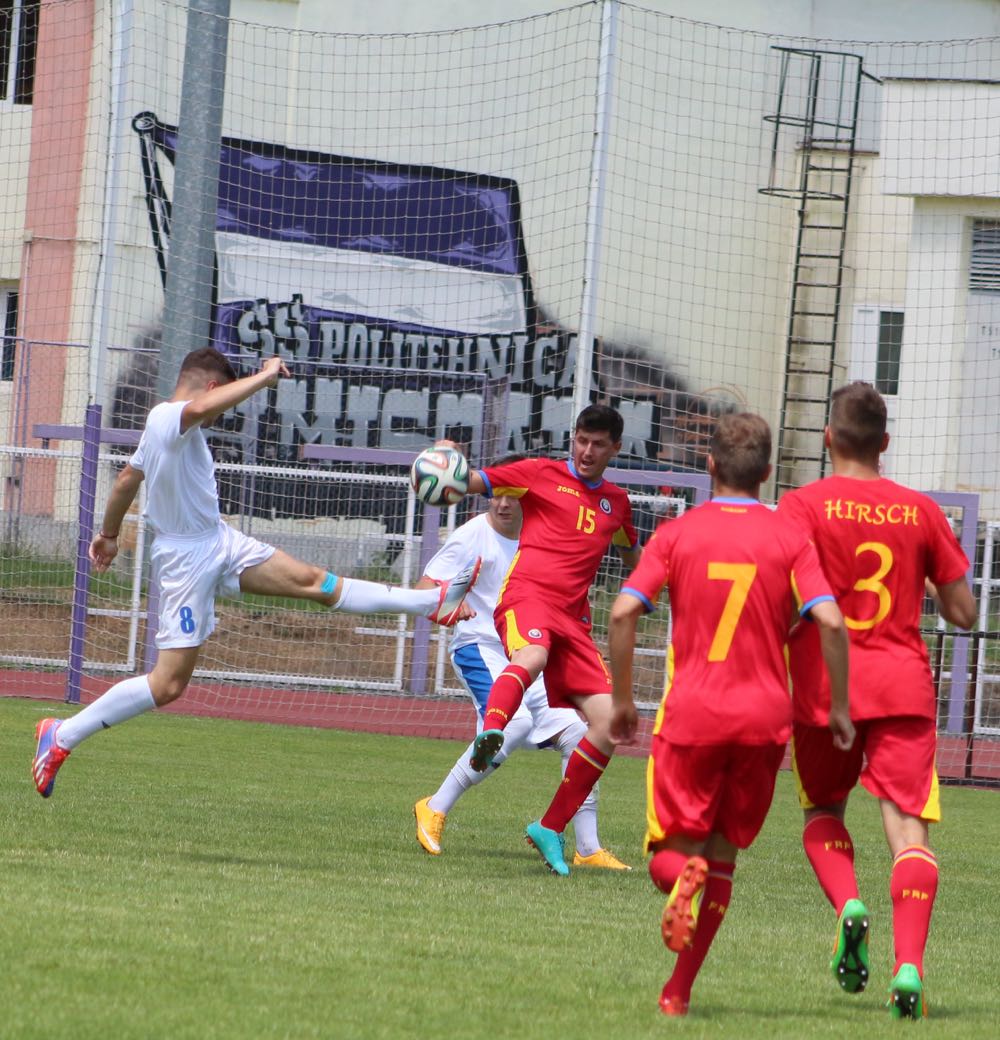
(453, 593)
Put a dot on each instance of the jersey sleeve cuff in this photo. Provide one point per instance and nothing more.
(806, 607)
(643, 599)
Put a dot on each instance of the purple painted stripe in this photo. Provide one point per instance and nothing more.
(57, 432)
(420, 655)
(969, 504)
(88, 493)
(381, 456)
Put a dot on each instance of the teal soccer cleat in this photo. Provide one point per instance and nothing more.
(550, 844)
(485, 749)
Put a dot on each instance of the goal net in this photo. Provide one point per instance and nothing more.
(470, 233)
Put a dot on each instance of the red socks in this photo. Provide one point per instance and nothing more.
(912, 886)
(585, 767)
(505, 697)
(665, 868)
(830, 850)
(714, 903)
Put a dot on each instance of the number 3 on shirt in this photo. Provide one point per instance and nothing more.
(873, 583)
(742, 576)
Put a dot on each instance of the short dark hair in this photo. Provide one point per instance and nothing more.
(209, 360)
(601, 418)
(741, 448)
(506, 460)
(857, 421)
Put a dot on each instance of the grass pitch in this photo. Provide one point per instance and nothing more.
(195, 878)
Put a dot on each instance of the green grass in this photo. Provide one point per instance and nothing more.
(196, 878)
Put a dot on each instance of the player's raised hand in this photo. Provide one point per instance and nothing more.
(102, 551)
(276, 369)
(842, 729)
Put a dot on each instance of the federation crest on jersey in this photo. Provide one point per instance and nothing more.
(534, 633)
(605, 506)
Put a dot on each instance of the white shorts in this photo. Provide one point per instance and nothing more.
(478, 664)
(191, 572)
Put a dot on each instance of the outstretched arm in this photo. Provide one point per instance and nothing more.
(621, 645)
(476, 483)
(104, 546)
(207, 407)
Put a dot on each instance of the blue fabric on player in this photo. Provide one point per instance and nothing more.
(329, 583)
(471, 666)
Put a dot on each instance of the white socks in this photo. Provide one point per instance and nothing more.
(123, 701)
(368, 597)
(462, 775)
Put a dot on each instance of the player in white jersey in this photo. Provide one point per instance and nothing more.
(197, 557)
(478, 658)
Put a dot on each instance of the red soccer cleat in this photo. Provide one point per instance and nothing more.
(680, 915)
(672, 1006)
(49, 756)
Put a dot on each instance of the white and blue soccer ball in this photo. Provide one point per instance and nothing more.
(440, 476)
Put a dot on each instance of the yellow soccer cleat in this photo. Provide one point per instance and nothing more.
(601, 859)
(430, 826)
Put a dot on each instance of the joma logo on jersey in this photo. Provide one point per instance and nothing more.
(864, 513)
(567, 490)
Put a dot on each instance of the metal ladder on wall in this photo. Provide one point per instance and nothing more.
(824, 112)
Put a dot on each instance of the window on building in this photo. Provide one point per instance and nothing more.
(890, 345)
(18, 42)
(984, 263)
(8, 313)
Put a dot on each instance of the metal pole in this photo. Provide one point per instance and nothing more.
(191, 265)
(595, 208)
(121, 48)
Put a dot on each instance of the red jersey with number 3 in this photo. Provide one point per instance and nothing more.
(736, 572)
(877, 541)
(567, 527)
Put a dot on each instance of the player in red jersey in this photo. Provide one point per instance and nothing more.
(737, 574)
(879, 542)
(571, 514)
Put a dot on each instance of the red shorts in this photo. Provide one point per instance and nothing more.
(699, 789)
(575, 667)
(892, 757)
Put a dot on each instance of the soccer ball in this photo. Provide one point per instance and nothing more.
(440, 476)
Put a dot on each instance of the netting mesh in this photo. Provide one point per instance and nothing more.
(423, 225)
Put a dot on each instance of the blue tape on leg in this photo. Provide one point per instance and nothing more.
(329, 584)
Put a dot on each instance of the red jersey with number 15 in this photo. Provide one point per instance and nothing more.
(736, 573)
(568, 525)
(877, 541)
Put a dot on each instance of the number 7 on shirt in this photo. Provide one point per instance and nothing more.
(742, 577)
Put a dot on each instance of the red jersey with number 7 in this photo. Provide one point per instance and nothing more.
(736, 573)
(567, 527)
(877, 541)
